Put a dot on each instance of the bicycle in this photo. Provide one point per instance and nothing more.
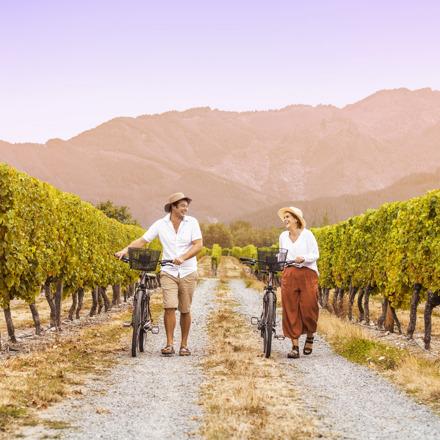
(145, 260)
(270, 261)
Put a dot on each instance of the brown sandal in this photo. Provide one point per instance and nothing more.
(184, 351)
(294, 354)
(308, 350)
(168, 350)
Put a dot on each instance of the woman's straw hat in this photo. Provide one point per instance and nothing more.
(295, 211)
(176, 197)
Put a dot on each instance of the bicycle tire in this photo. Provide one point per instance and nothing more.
(136, 321)
(268, 324)
(146, 315)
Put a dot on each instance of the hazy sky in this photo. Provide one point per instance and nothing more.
(68, 66)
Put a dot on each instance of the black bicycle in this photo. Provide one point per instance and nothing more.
(269, 261)
(145, 260)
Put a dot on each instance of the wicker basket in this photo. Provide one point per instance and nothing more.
(144, 259)
(272, 260)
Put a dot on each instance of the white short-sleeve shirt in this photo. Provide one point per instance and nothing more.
(175, 244)
(305, 246)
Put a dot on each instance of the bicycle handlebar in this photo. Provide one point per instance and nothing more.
(164, 262)
(253, 261)
(250, 260)
(125, 259)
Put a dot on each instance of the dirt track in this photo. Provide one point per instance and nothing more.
(156, 397)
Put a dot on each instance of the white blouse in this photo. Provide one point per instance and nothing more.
(305, 246)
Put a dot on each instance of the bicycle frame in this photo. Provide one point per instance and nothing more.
(271, 288)
(267, 321)
(145, 301)
(141, 319)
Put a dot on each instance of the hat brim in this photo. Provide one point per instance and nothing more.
(282, 211)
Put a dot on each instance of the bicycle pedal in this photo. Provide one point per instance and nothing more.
(155, 329)
(126, 324)
(280, 337)
(254, 320)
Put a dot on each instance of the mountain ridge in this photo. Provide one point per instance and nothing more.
(332, 210)
(231, 162)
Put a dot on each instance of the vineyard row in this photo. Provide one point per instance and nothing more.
(51, 238)
(48, 236)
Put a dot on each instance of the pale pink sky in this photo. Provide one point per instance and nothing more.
(68, 66)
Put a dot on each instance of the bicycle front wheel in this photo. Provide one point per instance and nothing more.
(268, 323)
(136, 321)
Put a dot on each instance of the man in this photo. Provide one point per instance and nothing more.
(181, 240)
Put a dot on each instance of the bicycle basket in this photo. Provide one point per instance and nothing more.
(144, 259)
(271, 259)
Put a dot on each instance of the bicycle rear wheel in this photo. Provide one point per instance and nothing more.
(268, 323)
(146, 316)
(136, 322)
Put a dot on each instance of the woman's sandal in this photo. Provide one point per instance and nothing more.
(308, 350)
(294, 354)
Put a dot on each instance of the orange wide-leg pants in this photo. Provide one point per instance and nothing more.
(299, 295)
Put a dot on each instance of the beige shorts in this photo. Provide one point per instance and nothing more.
(178, 292)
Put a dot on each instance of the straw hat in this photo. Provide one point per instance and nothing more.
(295, 211)
(173, 198)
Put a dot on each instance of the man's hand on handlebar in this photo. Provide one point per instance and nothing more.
(178, 261)
(121, 254)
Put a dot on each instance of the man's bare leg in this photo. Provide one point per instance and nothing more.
(169, 319)
(185, 324)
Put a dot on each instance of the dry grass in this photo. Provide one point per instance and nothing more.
(230, 269)
(204, 267)
(31, 382)
(417, 374)
(245, 395)
(42, 378)
(406, 365)
(402, 314)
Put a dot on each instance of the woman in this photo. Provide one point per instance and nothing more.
(299, 285)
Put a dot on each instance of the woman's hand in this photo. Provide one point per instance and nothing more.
(299, 260)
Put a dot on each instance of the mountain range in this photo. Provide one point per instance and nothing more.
(331, 162)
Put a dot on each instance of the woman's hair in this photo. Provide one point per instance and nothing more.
(294, 217)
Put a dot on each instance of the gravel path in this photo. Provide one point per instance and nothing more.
(348, 401)
(147, 397)
(155, 397)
